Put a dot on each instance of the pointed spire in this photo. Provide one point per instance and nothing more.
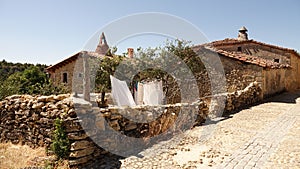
(102, 47)
(243, 34)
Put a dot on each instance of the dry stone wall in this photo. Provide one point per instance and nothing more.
(239, 99)
(98, 126)
(29, 120)
(234, 101)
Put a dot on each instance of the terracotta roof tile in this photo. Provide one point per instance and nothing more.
(243, 57)
(213, 46)
(250, 59)
(228, 41)
(71, 59)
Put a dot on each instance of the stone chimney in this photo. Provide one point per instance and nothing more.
(130, 52)
(243, 34)
(102, 47)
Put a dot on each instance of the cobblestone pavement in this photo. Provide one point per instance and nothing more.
(263, 136)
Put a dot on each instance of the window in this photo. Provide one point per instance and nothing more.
(65, 78)
(79, 75)
(276, 60)
(239, 49)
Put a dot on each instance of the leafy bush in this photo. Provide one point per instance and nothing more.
(60, 143)
(30, 81)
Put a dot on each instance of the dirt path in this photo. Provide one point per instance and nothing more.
(264, 136)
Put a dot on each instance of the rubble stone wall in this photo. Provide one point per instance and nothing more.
(30, 120)
(105, 127)
(274, 81)
(292, 78)
(239, 99)
(238, 76)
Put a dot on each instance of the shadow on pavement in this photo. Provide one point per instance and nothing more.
(286, 97)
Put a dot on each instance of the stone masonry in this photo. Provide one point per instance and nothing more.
(29, 120)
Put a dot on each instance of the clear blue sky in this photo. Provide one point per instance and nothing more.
(36, 31)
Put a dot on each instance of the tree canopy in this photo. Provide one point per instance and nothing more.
(27, 79)
(151, 63)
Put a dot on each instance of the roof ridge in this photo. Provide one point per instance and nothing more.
(250, 59)
(236, 41)
(73, 58)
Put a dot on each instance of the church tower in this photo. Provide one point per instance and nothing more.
(243, 34)
(102, 47)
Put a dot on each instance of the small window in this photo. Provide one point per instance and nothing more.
(79, 75)
(239, 49)
(276, 60)
(48, 75)
(65, 77)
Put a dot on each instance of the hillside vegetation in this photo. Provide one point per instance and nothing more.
(18, 78)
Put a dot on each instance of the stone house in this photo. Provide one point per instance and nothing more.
(275, 68)
(70, 70)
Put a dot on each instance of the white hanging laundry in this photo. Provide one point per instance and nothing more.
(121, 93)
(140, 94)
(153, 93)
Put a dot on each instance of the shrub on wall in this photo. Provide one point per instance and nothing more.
(60, 143)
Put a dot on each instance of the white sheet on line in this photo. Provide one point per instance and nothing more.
(140, 94)
(121, 93)
(153, 93)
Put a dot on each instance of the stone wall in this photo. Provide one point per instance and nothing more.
(234, 101)
(29, 120)
(292, 78)
(111, 128)
(242, 98)
(239, 75)
(274, 81)
(74, 70)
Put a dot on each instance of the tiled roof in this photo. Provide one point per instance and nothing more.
(213, 46)
(242, 57)
(71, 59)
(228, 41)
(251, 59)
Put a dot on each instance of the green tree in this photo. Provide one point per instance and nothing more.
(31, 81)
(8, 68)
(173, 52)
(106, 67)
(11, 85)
(175, 56)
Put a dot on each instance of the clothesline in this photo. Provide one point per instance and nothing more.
(150, 93)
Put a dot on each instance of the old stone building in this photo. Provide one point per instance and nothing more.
(70, 70)
(275, 68)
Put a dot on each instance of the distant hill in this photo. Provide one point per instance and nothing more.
(8, 68)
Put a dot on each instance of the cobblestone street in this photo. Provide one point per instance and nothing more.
(263, 136)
